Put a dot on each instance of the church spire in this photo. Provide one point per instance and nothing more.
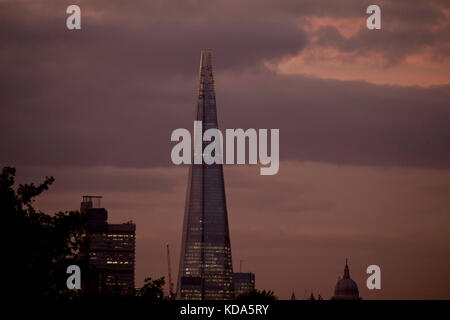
(346, 270)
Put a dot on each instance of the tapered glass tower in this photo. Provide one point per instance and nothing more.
(206, 270)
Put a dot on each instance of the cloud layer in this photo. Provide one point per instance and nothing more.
(112, 93)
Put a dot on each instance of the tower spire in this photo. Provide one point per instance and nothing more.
(206, 270)
(346, 270)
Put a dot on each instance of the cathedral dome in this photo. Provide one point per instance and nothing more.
(346, 288)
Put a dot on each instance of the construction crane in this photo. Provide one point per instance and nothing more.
(171, 292)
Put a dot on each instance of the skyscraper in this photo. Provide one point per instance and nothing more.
(110, 251)
(206, 270)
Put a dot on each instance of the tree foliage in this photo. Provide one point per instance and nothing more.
(258, 295)
(152, 290)
(41, 246)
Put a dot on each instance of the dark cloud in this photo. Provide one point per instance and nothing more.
(408, 28)
(150, 37)
(392, 44)
(112, 93)
(322, 120)
(345, 122)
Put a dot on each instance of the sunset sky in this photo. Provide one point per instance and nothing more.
(364, 119)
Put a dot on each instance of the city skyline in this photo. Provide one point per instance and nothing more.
(363, 115)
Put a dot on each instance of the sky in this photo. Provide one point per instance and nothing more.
(363, 117)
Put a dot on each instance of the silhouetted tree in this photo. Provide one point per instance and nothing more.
(257, 295)
(42, 246)
(152, 290)
(311, 297)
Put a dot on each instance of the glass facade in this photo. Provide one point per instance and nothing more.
(110, 253)
(206, 271)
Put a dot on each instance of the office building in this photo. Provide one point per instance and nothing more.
(110, 251)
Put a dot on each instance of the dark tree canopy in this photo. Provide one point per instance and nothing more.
(152, 290)
(41, 246)
(258, 296)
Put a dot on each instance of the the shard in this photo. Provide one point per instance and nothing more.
(206, 270)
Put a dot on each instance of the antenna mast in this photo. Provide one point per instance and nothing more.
(171, 293)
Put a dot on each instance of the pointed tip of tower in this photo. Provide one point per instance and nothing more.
(207, 52)
(346, 269)
(206, 58)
